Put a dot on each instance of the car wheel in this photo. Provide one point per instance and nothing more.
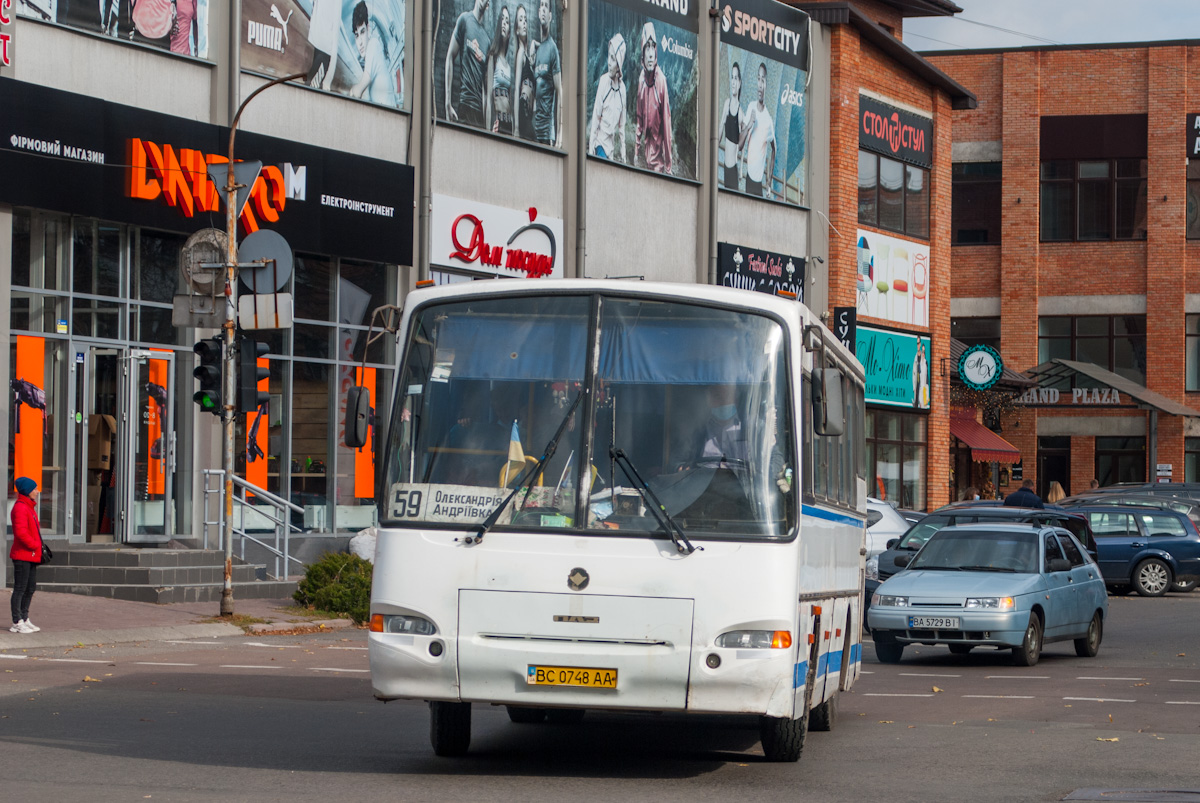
(1031, 646)
(524, 715)
(1152, 578)
(450, 728)
(565, 716)
(960, 649)
(782, 739)
(824, 716)
(888, 652)
(1089, 645)
(1183, 586)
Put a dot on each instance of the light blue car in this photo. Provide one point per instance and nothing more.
(1008, 586)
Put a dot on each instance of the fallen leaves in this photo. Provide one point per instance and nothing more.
(90, 679)
(1111, 739)
(936, 690)
(881, 722)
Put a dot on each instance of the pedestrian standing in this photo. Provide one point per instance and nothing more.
(26, 554)
(1024, 497)
(1056, 493)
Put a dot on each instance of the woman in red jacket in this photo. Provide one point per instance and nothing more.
(26, 554)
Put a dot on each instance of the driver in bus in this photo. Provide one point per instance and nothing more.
(724, 439)
(476, 446)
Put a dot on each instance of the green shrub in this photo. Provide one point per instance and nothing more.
(339, 583)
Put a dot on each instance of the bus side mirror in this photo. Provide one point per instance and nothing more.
(358, 416)
(828, 408)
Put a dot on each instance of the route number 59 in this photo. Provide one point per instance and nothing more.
(406, 504)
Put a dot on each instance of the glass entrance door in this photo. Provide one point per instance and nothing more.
(146, 448)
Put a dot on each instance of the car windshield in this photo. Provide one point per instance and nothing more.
(980, 550)
(704, 420)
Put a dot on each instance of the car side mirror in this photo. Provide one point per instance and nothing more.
(902, 560)
(358, 416)
(891, 543)
(1059, 565)
(829, 417)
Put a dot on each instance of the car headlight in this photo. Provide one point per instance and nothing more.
(873, 568)
(395, 623)
(888, 601)
(756, 639)
(991, 603)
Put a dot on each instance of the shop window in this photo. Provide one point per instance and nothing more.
(40, 247)
(976, 331)
(311, 436)
(1093, 199)
(975, 192)
(1191, 459)
(1113, 342)
(37, 445)
(314, 288)
(892, 195)
(96, 258)
(896, 457)
(1192, 362)
(157, 277)
(1120, 460)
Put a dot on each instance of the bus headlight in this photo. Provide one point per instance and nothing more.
(756, 639)
(409, 625)
(873, 568)
(991, 603)
(886, 601)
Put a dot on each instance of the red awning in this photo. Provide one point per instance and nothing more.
(986, 446)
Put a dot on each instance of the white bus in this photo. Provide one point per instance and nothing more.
(623, 496)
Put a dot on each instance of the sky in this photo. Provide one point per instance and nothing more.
(1050, 22)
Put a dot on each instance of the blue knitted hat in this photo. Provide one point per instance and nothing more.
(25, 486)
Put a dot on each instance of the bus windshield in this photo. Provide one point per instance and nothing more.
(695, 397)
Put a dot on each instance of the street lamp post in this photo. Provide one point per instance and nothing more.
(228, 400)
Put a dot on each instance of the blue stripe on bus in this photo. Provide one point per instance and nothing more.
(799, 672)
(856, 653)
(829, 515)
(822, 664)
(834, 665)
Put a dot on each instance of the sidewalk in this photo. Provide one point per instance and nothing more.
(68, 620)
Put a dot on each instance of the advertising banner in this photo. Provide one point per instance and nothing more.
(495, 240)
(180, 26)
(497, 66)
(895, 132)
(897, 367)
(756, 269)
(762, 114)
(350, 47)
(79, 155)
(893, 279)
(643, 74)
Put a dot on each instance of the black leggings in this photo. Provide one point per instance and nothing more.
(24, 584)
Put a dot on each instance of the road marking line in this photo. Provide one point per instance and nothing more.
(272, 646)
(1016, 677)
(926, 675)
(1100, 699)
(873, 694)
(1089, 677)
(15, 657)
(78, 660)
(1172, 680)
(335, 669)
(1183, 702)
(159, 663)
(191, 642)
(1000, 696)
(248, 666)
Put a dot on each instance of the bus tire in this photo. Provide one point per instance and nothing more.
(449, 728)
(782, 739)
(825, 715)
(524, 715)
(565, 716)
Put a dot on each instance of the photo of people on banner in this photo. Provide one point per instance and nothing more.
(642, 79)
(349, 47)
(497, 66)
(180, 26)
(762, 114)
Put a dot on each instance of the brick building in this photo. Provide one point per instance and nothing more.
(889, 246)
(1075, 224)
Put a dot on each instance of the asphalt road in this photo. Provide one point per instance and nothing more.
(292, 718)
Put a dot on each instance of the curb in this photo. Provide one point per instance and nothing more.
(289, 628)
(75, 638)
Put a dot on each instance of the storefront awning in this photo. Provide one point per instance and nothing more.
(986, 446)
(1054, 370)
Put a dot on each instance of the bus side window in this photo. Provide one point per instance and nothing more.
(806, 426)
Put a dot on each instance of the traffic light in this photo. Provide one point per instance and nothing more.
(250, 398)
(209, 353)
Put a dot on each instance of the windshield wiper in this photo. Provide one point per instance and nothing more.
(528, 474)
(669, 525)
(988, 569)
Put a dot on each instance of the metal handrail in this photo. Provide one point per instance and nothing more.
(282, 526)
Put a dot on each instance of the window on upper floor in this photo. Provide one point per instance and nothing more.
(893, 195)
(976, 331)
(975, 203)
(1113, 342)
(1192, 352)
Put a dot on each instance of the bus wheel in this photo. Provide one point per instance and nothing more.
(565, 716)
(782, 739)
(824, 716)
(450, 728)
(523, 715)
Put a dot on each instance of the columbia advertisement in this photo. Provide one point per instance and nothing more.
(350, 47)
(762, 115)
(180, 26)
(498, 66)
(643, 74)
